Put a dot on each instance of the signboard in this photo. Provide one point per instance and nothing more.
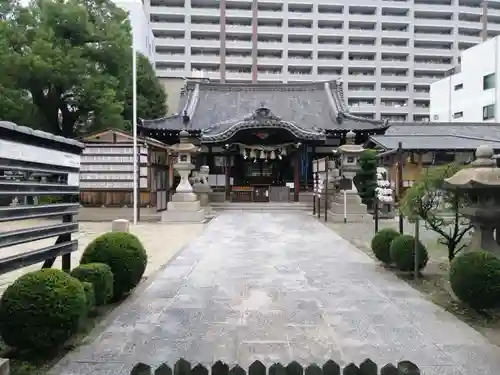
(345, 184)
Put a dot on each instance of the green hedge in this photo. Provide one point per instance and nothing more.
(381, 244)
(403, 253)
(475, 279)
(41, 310)
(100, 276)
(124, 254)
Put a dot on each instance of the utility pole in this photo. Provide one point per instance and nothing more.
(255, 5)
(484, 21)
(222, 23)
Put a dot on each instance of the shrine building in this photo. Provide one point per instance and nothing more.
(259, 139)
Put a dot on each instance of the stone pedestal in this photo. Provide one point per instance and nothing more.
(120, 225)
(183, 208)
(202, 193)
(356, 210)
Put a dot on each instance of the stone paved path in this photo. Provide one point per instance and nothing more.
(277, 288)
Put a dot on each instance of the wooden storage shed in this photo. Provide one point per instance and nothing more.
(106, 176)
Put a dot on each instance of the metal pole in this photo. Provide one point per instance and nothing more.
(400, 185)
(345, 206)
(484, 21)
(416, 249)
(375, 213)
(134, 131)
(314, 193)
(326, 189)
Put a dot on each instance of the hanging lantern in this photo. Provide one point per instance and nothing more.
(253, 155)
(272, 156)
(283, 151)
(262, 155)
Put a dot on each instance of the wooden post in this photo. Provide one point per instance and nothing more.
(401, 162)
(228, 180)
(296, 176)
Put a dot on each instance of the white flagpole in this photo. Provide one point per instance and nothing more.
(134, 127)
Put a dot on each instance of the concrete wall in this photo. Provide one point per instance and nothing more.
(461, 97)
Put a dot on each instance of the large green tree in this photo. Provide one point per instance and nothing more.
(151, 96)
(66, 66)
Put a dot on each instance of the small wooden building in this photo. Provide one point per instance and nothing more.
(106, 177)
(426, 145)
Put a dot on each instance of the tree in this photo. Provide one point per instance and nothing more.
(151, 97)
(366, 177)
(70, 59)
(438, 208)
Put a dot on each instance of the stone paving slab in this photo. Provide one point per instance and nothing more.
(277, 288)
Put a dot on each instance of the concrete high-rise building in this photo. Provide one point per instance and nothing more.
(387, 52)
(144, 40)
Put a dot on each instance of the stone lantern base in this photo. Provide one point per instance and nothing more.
(356, 210)
(183, 208)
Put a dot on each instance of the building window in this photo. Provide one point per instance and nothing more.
(489, 81)
(460, 86)
(489, 112)
(458, 115)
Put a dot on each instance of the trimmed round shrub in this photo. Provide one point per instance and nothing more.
(475, 279)
(89, 296)
(381, 244)
(124, 254)
(41, 310)
(100, 276)
(403, 253)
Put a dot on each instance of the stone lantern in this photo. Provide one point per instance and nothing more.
(184, 206)
(480, 182)
(349, 202)
(349, 158)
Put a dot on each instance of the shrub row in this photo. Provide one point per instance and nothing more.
(474, 276)
(41, 310)
(391, 247)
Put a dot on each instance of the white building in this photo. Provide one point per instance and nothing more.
(471, 94)
(144, 39)
(387, 52)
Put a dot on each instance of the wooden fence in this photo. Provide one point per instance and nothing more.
(368, 367)
(38, 180)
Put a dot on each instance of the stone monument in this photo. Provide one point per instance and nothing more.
(355, 209)
(202, 189)
(480, 181)
(184, 206)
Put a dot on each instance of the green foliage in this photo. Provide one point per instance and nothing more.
(439, 208)
(89, 296)
(151, 96)
(100, 276)
(381, 244)
(403, 253)
(66, 67)
(366, 177)
(41, 310)
(124, 254)
(475, 279)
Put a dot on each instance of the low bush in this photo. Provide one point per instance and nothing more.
(475, 279)
(41, 310)
(89, 296)
(124, 254)
(403, 253)
(381, 244)
(100, 276)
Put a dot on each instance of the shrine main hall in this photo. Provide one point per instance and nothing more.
(259, 139)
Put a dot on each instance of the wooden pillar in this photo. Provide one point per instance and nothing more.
(296, 176)
(228, 176)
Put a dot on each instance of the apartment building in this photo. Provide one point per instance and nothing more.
(471, 93)
(387, 52)
(144, 40)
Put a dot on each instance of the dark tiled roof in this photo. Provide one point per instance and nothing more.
(311, 106)
(432, 142)
(440, 136)
(476, 130)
